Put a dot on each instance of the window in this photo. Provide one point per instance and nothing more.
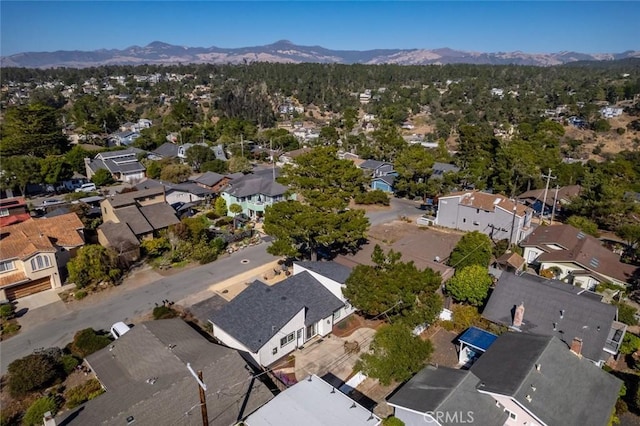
(286, 339)
(512, 415)
(477, 211)
(7, 265)
(4, 212)
(274, 351)
(464, 220)
(336, 315)
(40, 262)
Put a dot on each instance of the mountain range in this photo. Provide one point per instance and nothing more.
(285, 51)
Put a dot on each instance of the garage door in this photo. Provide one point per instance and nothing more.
(32, 287)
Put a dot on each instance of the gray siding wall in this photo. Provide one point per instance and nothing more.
(496, 224)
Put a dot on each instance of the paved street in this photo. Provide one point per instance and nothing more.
(126, 303)
(399, 207)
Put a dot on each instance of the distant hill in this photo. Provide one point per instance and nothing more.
(287, 52)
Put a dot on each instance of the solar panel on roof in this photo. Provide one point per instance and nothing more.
(580, 235)
(594, 262)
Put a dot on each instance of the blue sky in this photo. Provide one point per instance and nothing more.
(539, 26)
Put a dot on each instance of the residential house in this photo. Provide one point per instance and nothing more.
(124, 138)
(269, 322)
(440, 396)
(75, 182)
(537, 380)
(381, 173)
(575, 257)
(35, 252)
(438, 170)
(123, 165)
(562, 196)
(531, 304)
(167, 150)
(492, 214)
(254, 193)
(185, 192)
(215, 181)
(610, 112)
(13, 210)
(510, 262)
(332, 276)
(139, 213)
(312, 402)
(289, 157)
(146, 374)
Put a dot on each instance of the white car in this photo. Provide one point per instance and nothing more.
(118, 329)
(87, 187)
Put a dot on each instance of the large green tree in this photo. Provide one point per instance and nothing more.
(92, 265)
(394, 288)
(470, 284)
(198, 155)
(474, 248)
(413, 165)
(324, 181)
(32, 130)
(301, 230)
(395, 354)
(19, 171)
(55, 169)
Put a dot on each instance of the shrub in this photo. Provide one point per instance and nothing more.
(82, 393)
(213, 215)
(627, 314)
(372, 197)
(69, 363)
(223, 221)
(464, 317)
(33, 372)
(10, 328)
(102, 177)
(87, 341)
(392, 421)
(80, 294)
(621, 130)
(7, 311)
(36, 411)
(155, 247)
(163, 312)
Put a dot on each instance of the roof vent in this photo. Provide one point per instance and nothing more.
(528, 398)
(538, 367)
(580, 235)
(496, 201)
(152, 380)
(533, 388)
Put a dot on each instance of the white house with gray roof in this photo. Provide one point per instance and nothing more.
(333, 276)
(254, 193)
(270, 322)
(538, 380)
(123, 165)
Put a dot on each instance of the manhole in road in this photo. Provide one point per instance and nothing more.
(244, 261)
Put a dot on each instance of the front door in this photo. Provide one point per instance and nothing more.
(300, 337)
(311, 331)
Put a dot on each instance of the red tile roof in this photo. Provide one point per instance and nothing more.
(40, 235)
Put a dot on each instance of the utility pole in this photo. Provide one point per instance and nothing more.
(202, 388)
(513, 225)
(242, 145)
(555, 201)
(273, 160)
(546, 189)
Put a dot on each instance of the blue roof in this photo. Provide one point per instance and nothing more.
(478, 338)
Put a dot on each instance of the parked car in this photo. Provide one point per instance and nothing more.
(87, 187)
(52, 202)
(118, 329)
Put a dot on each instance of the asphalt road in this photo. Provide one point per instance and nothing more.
(126, 303)
(399, 207)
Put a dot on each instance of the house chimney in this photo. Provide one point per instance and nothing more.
(576, 346)
(519, 315)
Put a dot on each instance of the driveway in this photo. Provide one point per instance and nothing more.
(55, 324)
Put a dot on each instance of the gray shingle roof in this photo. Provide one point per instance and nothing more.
(209, 178)
(583, 316)
(119, 235)
(253, 184)
(119, 153)
(260, 311)
(440, 169)
(333, 270)
(160, 350)
(130, 197)
(567, 390)
(372, 164)
(133, 217)
(447, 390)
(159, 215)
(167, 150)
